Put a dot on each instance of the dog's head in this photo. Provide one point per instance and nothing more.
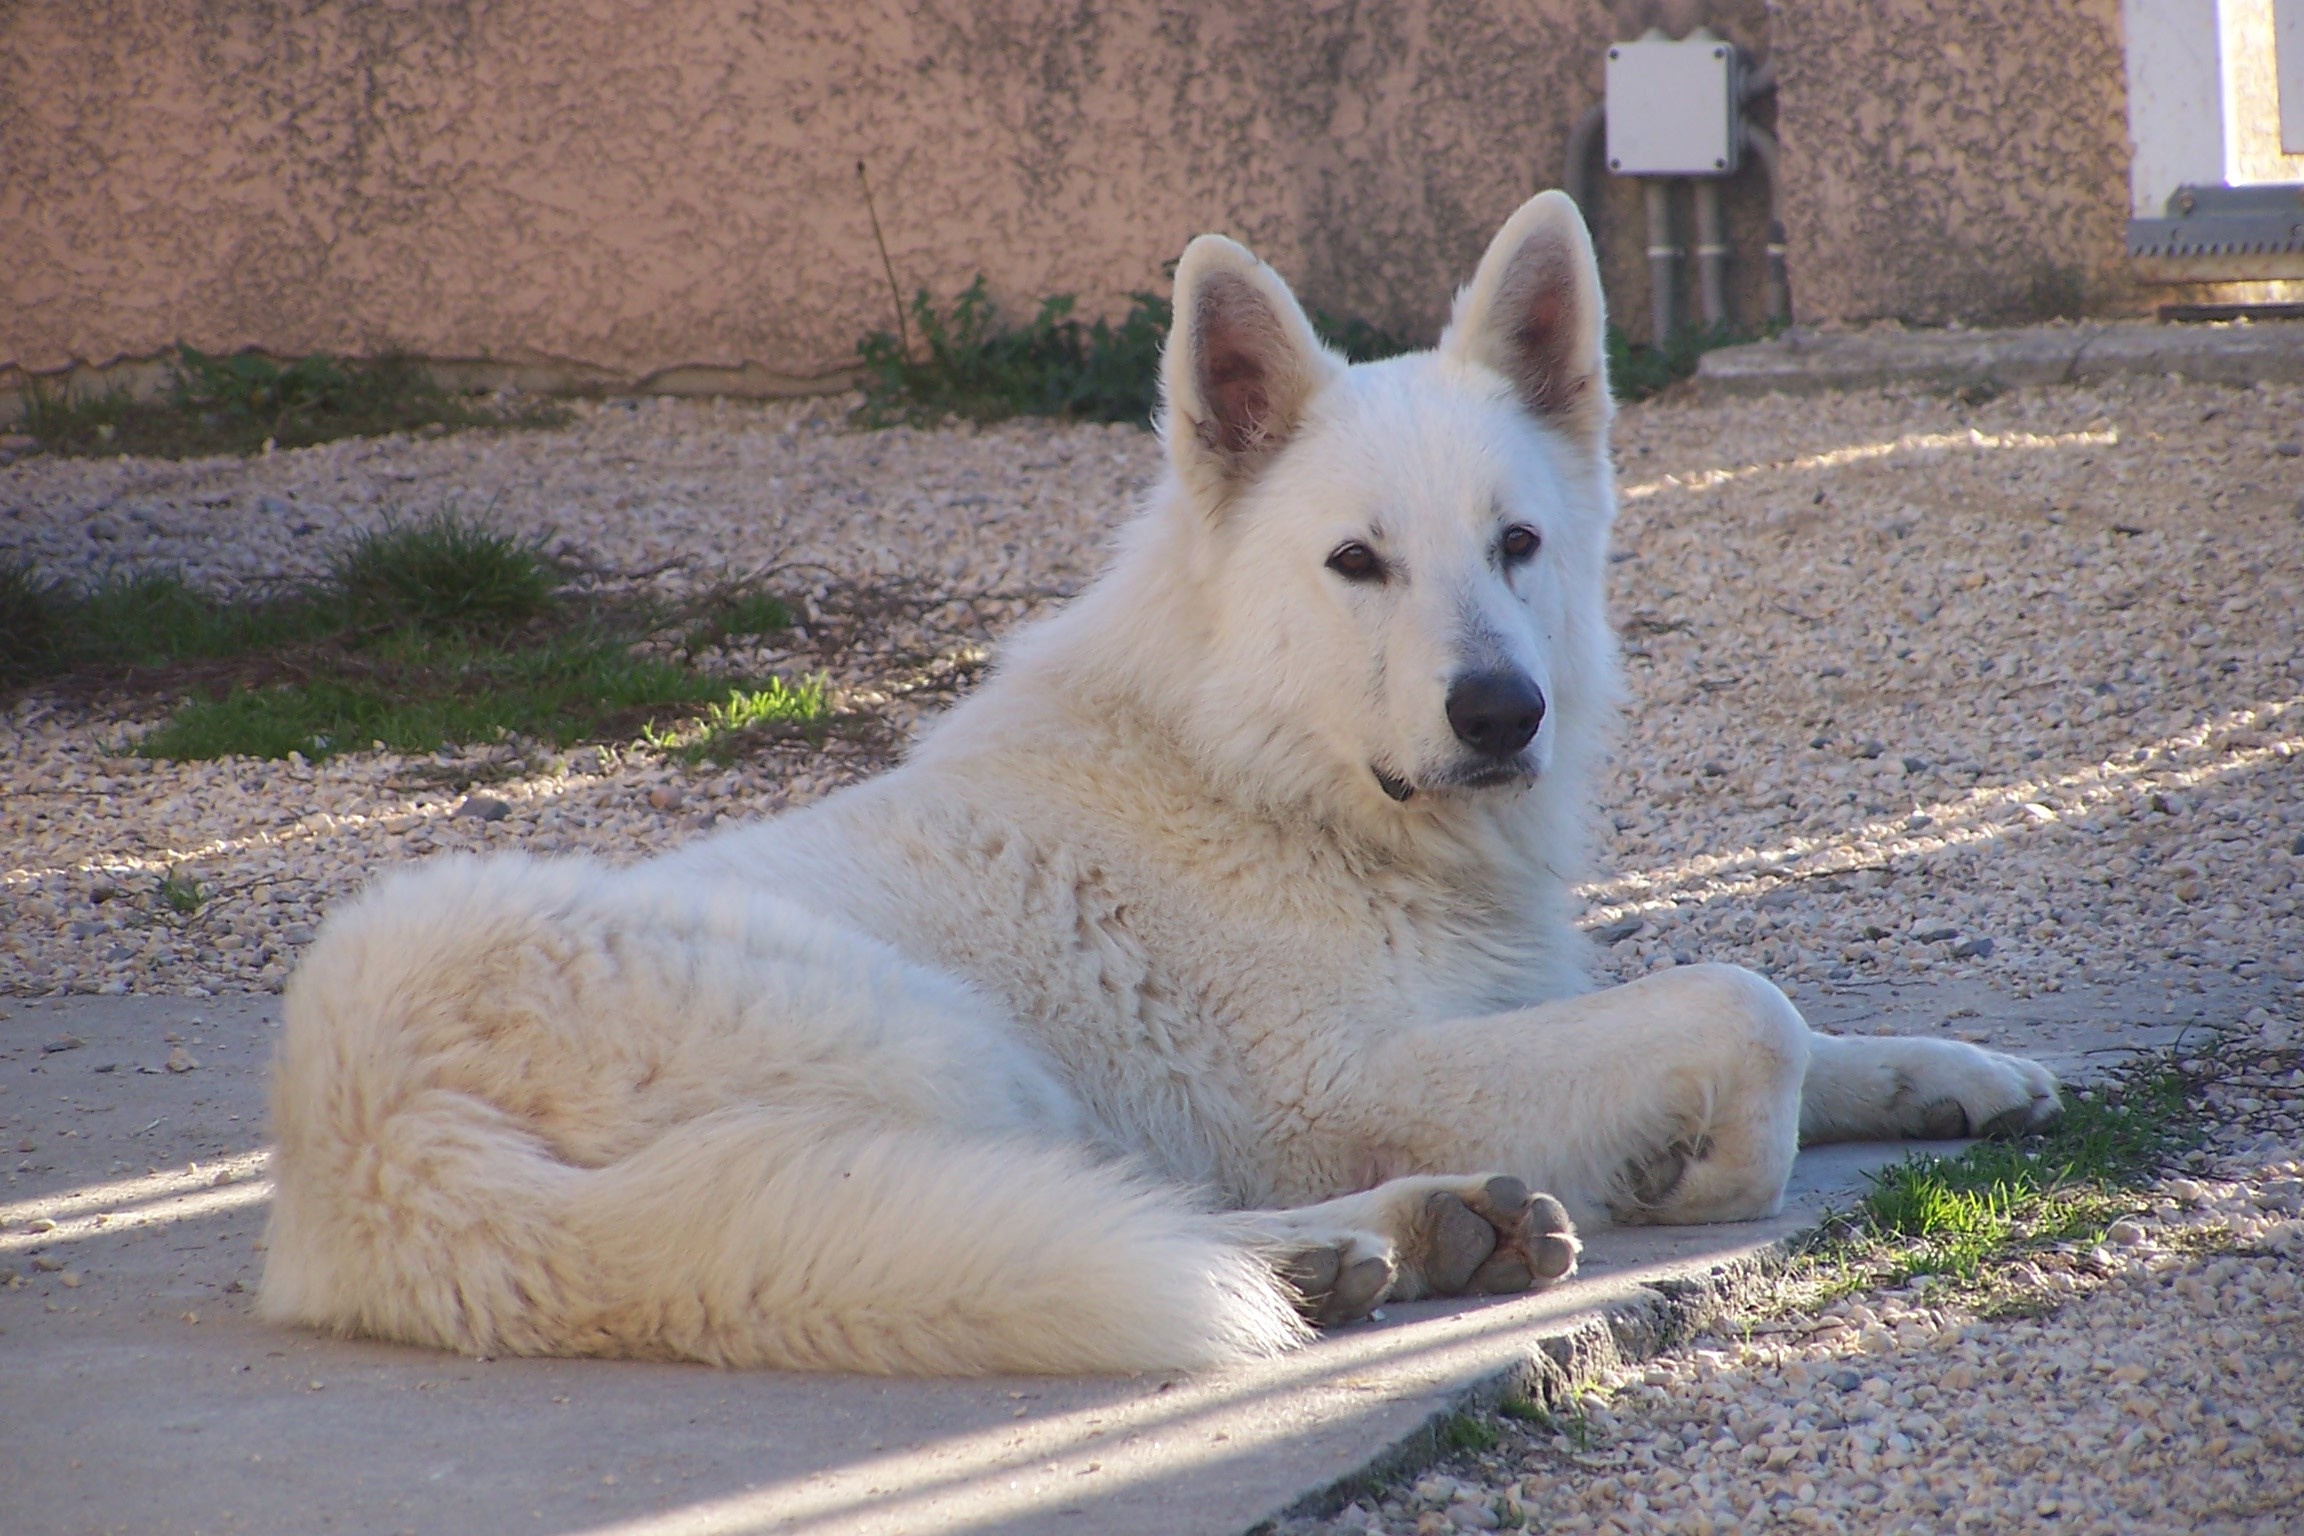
(1397, 566)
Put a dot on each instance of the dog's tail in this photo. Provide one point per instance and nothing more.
(409, 1207)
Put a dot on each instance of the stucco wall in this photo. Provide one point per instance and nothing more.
(1954, 159)
(636, 186)
(639, 185)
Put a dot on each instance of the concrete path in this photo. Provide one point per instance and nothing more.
(1803, 361)
(137, 1392)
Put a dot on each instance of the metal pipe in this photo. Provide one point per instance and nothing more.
(1711, 254)
(1584, 141)
(1663, 259)
(1762, 144)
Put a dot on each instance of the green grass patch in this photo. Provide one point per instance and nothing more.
(968, 361)
(1568, 1422)
(143, 619)
(1640, 370)
(181, 893)
(1957, 1217)
(779, 709)
(1464, 1432)
(236, 405)
(417, 694)
(436, 632)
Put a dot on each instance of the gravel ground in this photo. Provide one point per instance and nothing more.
(1918, 690)
(2157, 1390)
(2011, 693)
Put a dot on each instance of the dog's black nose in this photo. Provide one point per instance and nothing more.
(1495, 713)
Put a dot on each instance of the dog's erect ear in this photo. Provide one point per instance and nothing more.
(1534, 313)
(1242, 363)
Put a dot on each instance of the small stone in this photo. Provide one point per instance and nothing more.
(1620, 930)
(1473, 1517)
(1846, 1380)
(42, 1224)
(182, 1060)
(47, 1263)
(1871, 749)
(62, 1043)
(2127, 1232)
(1972, 949)
(1936, 935)
(1916, 765)
(2289, 450)
(666, 797)
(483, 808)
(69, 1279)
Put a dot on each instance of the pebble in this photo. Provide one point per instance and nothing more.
(482, 808)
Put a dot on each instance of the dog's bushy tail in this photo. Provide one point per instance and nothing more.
(752, 1235)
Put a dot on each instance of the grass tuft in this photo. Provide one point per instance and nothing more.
(1957, 1217)
(237, 405)
(776, 709)
(446, 574)
(35, 621)
(181, 892)
(1463, 1432)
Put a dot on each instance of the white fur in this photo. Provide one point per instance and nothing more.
(951, 1072)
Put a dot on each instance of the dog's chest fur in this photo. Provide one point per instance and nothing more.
(1196, 971)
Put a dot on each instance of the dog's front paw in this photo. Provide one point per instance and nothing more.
(1491, 1237)
(1955, 1090)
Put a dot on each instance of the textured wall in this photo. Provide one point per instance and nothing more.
(1954, 159)
(638, 186)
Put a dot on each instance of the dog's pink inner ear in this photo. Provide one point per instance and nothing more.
(1539, 300)
(1240, 345)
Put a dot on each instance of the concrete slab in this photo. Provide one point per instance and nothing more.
(1803, 361)
(139, 1394)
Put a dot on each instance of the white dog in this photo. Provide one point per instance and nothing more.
(1208, 970)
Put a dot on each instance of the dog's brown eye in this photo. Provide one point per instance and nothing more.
(1520, 542)
(1355, 561)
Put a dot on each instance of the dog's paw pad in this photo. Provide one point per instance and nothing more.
(1528, 1240)
(1461, 1240)
(1360, 1288)
(1551, 1242)
(1336, 1284)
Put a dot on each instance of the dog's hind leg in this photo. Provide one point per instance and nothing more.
(1675, 1098)
(1425, 1235)
(550, 1109)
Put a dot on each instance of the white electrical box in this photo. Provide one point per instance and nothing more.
(1672, 108)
